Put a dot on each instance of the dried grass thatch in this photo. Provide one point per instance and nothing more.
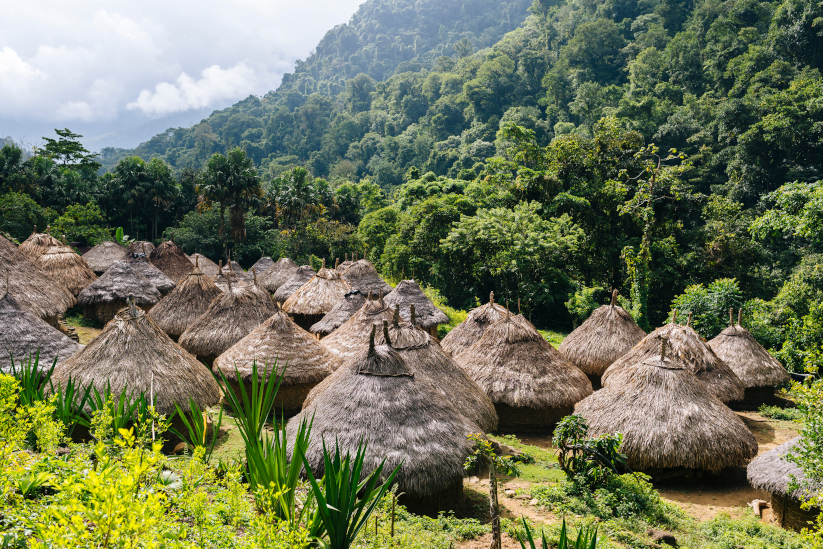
(609, 333)
(352, 338)
(103, 255)
(668, 419)
(63, 264)
(408, 293)
(154, 275)
(687, 346)
(529, 381)
(140, 246)
(133, 354)
(401, 417)
(235, 267)
(169, 258)
(364, 277)
(22, 335)
(340, 313)
(221, 279)
(185, 304)
(42, 295)
(302, 275)
(316, 297)
(278, 274)
(206, 265)
(109, 293)
(466, 334)
(262, 265)
(264, 296)
(37, 243)
(343, 266)
(772, 472)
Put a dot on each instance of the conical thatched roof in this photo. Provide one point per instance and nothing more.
(103, 255)
(302, 275)
(748, 359)
(352, 338)
(668, 419)
(343, 266)
(235, 267)
(401, 417)
(261, 293)
(140, 246)
(409, 293)
(22, 335)
(687, 346)
(221, 279)
(185, 304)
(134, 354)
(364, 277)
(37, 244)
(119, 282)
(515, 366)
(64, 265)
(340, 313)
(278, 274)
(608, 334)
(43, 296)
(466, 334)
(206, 265)
(154, 275)
(319, 295)
(773, 473)
(263, 264)
(169, 258)
(229, 318)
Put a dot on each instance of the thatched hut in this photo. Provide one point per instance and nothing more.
(22, 335)
(668, 419)
(364, 277)
(279, 341)
(341, 268)
(154, 275)
(401, 418)
(206, 265)
(103, 255)
(185, 304)
(62, 263)
(530, 383)
(352, 337)
(466, 334)
(758, 370)
(296, 281)
(169, 258)
(37, 243)
(609, 333)
(263, 264)
(261, 293)
(235, 267)
(109, 293)
(229, 318)
(316, 297)
(139, 246)
(408, 293)
(42, 295)
(344, 309)
(773, 473)
(278, 274)
(687, 346)
(221, 279)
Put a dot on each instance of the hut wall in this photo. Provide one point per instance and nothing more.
(106, 311)
(306, 321)
(447, 500)
(753, 398)
(788, 513)
(511, 419)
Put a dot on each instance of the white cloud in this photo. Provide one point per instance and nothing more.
(16, 76)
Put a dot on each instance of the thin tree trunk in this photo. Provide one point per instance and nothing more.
(497, 542)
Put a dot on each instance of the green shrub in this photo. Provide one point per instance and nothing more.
(84, 224)
(709, 305)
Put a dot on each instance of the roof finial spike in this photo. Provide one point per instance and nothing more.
(371, 340)
(143, 244)
(336, 262)
(380, 295)
(35, 230)
(197, 261)
(396, 317)
(518, 306)
(346, 257)
(254, 275)
(228, 281)
(386, 332)
(663, 343)
(491, 297)
(412, 315)
(731, 316)
(132, 307)
(739, 315)
(689, 322)
(507, 309)
(48, 230)
(64, 240)
(323, 264)
(674, 317)
(614, 299)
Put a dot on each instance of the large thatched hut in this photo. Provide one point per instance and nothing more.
(668, 419)
(169, 258)
(103, 255)
(362, 276)
(42, 295)
(279, 341)
(154, 275)
(408, 293)
(63, 264)
(773, 473)
(185, 304)
(344, 309)
(303, 274)
(37, 243)
(109, 293)
(23, 335)
(466, 334)
(758, 370)
(206, 265)
(278, 274)
(687, 346)
(401, 418)
(531, 384)
(309, 303)
(352, 337)
(263, 264)
(609, 333)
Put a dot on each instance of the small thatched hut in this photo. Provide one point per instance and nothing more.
(229, 318)
(668, 419)
(185, 304)
(408, 293)
(63, 264)
(341, 268)
(352, 337)
(773, 473)
(235, 267)
(466, 334)
(109, 293)
(346, 308)
(22, 335)
(169, 258)
(103, 255)
(37, 243)
(609, 333)
(316, 297)
(401, 418)
(278, 274)
(279, 341)
(154, 275)
(43, 296)
(139, 246)
(221, 279)
(296, 281)
(206, 265)
(262, 265)
(759, 371)
(364, 277)
(687, 346)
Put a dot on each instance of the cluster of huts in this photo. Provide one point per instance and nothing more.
(363, 360)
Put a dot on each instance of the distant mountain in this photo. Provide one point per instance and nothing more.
(131, 137)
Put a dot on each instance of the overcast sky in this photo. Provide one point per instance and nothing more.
(106, 65)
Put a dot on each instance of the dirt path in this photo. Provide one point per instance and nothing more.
(86, 334)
